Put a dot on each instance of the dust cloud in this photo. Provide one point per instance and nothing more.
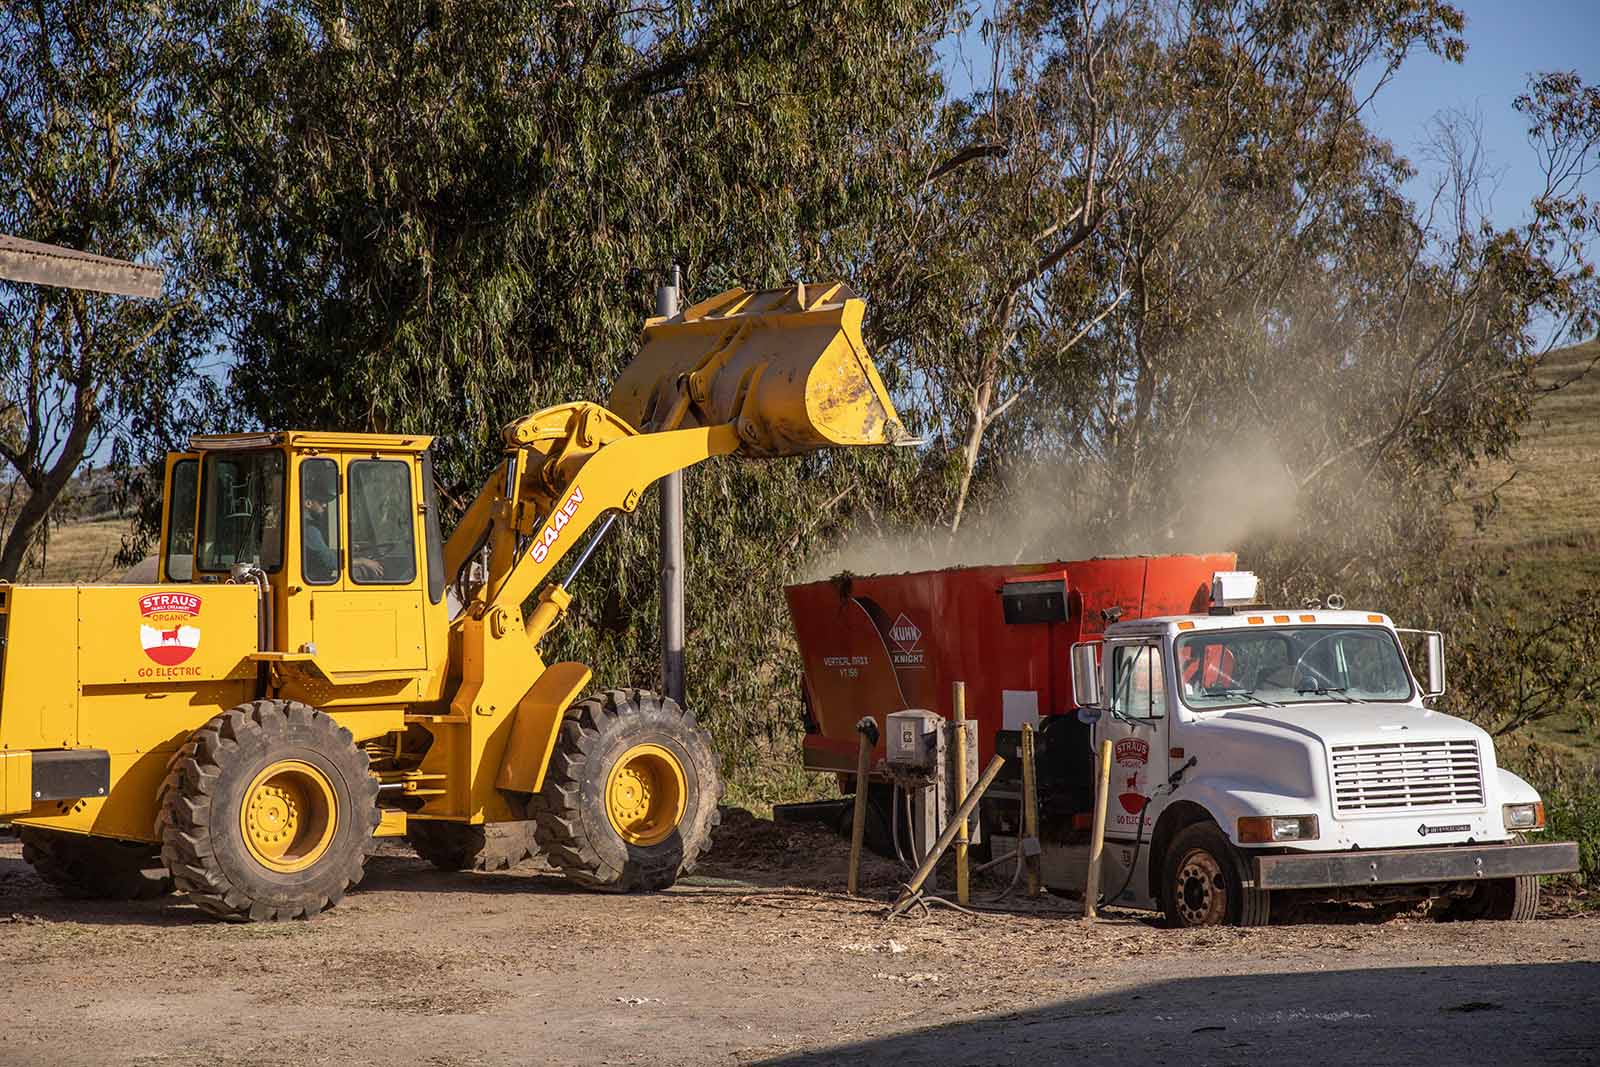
(1208, 500)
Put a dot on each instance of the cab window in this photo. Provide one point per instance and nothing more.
(241, 511)
(1140, 686)
(179, 550)
(383, 548)
(319, 521)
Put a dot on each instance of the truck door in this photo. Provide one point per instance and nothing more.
(1137, 730)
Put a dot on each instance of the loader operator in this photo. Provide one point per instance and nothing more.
(319, 495)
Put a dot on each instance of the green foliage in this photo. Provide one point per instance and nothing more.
(95, 136)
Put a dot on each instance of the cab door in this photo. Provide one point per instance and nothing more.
(1136, 726)
(361, 569)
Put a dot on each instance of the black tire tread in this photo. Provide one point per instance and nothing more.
(196, 772)
(557, 808)
(455, 846)
(95, 868)
(1250, 907)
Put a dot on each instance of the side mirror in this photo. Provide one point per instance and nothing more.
(1435, 645)
(1086, 674)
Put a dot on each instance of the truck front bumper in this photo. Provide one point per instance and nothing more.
(1411, 866)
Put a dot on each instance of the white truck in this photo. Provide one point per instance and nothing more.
(1263, 755)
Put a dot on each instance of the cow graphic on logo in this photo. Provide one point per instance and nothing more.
(1132, 756)
(167, 626)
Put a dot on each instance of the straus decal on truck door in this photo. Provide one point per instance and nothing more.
(168, 626)
(1132, 756)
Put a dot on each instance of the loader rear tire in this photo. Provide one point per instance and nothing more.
(457, 846)
(268, 812)
(630, 798)
(95, 868)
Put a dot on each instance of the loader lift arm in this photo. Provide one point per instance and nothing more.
(767, 374)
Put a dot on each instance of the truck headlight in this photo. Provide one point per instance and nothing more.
(1276, 829)
(1524, 816)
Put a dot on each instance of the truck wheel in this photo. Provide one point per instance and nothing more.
(630, 798)
(458, 846)
(1203, 882)
(268, 813)
(1506, 899)
(95, 868)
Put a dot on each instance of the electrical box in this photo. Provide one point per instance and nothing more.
(912, 740)
(920, 755)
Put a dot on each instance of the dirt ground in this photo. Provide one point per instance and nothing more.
(760, 959)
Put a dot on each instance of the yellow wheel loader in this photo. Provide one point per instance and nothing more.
(317, 665)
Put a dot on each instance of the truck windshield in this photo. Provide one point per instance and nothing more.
(1290, 665)
(241, 511)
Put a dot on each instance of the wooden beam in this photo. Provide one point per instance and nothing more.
(42, 264)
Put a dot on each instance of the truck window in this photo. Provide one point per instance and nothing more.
(179, 550)
(241, 511)
(319, 521)
(383, 547)
(1141, 687)
(1293, 665)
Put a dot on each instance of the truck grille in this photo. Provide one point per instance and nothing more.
(1406, 774)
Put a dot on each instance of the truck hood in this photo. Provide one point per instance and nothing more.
(1335, 723)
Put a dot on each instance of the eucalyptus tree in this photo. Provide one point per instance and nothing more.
(95, 154)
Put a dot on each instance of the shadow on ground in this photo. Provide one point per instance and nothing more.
(1518, 1013)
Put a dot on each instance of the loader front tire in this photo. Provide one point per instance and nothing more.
(457, 846)
(95, 868)
(268, 812)
(630, 798)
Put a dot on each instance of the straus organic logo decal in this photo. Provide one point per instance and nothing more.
(169, 626)
(1132, 756)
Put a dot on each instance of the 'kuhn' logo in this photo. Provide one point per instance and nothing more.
(168, 627)
(904, 633)
(557, 523)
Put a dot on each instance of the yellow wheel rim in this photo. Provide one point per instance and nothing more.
(289, 816)
(646, 794)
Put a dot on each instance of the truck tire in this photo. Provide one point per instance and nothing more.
(95, 868)
(268, 812)
(1202, 882)
(458, 846)
(630, 799)
(1503, 899)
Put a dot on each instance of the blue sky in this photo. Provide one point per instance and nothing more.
(1506, 42)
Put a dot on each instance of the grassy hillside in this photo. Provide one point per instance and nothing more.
(1544, 535)
(1549, 491)
(81, 552)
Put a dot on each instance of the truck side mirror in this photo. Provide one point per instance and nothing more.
(1435, 646)
(1086, 674)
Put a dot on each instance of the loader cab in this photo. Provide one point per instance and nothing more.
(345, 527)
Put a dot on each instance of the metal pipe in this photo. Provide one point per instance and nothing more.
(588, 549)
(1030, 806)
(868, 729)
(1097, 843)
(671, 543)
(963, 874)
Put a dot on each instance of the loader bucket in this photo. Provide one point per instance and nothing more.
(786, 366)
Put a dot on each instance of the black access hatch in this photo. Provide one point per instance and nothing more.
(1029, 600)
